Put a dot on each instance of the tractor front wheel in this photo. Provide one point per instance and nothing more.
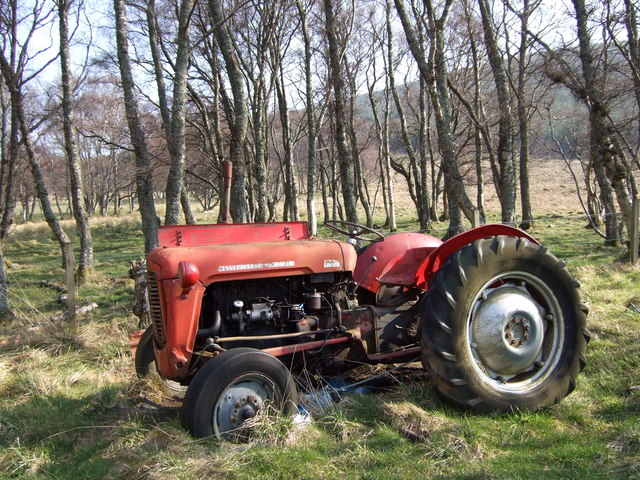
(145, 359)
(503, 327)
(234, 387)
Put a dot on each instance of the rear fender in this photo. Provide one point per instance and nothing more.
(438, 256)
(393, 261)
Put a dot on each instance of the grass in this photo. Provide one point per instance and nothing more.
(72, 407)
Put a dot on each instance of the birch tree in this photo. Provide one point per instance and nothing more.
(85, 262)
(312, 217)
(434, 72)
(144, 175)
(16, 59)
(336, 74)
(237, 114)
(504, 148)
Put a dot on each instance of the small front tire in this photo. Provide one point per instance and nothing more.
(234, 387)
(145, 359)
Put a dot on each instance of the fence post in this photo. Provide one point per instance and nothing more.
(633, 240)
(71, 287)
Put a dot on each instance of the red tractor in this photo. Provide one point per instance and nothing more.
(495, 317)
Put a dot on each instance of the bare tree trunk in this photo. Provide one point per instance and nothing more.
(5, 310)
(523, 116)
(259, 124)
(382, 136)
(175, 180)
(385, 165)
(8, 198)
(189, 217)
(85, 263)
(312, 217)
(7, 179)
(411, 153)
(505, 128)
(291, 188)
(38, 177)
(599, 139)
(631, 24)
(345, 160)
(478, 111)
(435, 74)
(144, 179)
(238, 123)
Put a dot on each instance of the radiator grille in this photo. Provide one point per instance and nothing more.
(156, 311)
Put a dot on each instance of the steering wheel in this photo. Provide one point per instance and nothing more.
(354, 230)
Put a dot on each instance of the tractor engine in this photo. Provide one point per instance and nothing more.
(273, 306)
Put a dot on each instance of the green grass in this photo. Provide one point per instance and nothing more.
(72, 407)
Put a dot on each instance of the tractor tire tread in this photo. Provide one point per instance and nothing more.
(440, 328)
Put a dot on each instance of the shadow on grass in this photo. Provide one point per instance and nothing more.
(69, 437)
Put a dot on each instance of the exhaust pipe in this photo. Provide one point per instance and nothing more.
(227, 168)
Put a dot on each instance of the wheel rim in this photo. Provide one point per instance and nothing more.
(515, 332)
(244, 398)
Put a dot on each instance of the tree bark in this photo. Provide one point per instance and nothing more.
(238, 121)
(85, 262)
(291, 188)
(600, 144)
(312, 216)
(144, 178)
(7, 179)
(435, 75)
(505, 128)
(420, 191)
(5, 309)
(631, 24)
(175, 180)
(336, 72)
(523, 117)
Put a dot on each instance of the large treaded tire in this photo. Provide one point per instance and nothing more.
(235, 386)
(488, 296)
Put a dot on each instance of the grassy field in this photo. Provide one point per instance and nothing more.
(72, 407)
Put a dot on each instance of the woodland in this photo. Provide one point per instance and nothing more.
(326, 109)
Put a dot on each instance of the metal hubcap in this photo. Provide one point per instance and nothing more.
(515, 331)
(507, 329)
(243, 399)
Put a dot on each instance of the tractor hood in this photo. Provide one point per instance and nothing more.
(255, 260)
(241, 251)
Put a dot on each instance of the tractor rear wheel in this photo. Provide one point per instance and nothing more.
(503, 327)
(233, 387)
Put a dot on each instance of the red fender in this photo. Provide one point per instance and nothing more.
(438, 256)
(394, 260)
